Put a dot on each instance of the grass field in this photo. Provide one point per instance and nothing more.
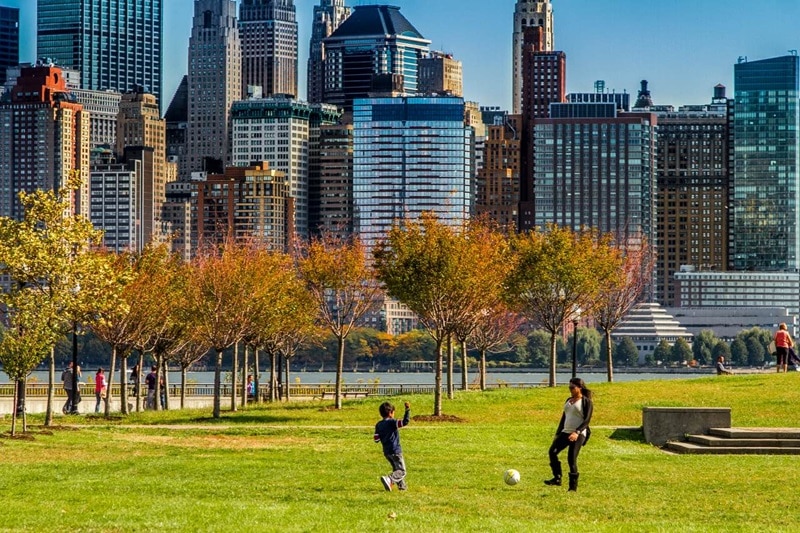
(305, 467)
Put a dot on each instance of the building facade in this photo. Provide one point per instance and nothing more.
(328, 15)
(103, 108)
(268, 32)
(330, 183)
(44, 139)
(497, 191)
(375, 42)
(440, 73)
(528, 14)
(115, 45)
(765, 230)
(412, 155)
(214, 83)
(9, 40)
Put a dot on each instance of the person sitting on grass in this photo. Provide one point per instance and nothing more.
(386, 432)
(721, 366)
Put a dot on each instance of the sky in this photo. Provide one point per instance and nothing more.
(682, 47)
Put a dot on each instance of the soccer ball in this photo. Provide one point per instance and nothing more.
(511, 477)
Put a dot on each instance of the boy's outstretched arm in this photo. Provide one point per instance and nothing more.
(406, 416)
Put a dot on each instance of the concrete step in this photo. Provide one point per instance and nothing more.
(738, 442)
(756, 433)
(693, 448)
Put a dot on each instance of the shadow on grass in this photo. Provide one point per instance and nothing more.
(631, 434)
(239, 419)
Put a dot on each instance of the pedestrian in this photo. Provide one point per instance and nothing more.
(66, 378)
(573, 431)
(721, 366)
(251, 387)
(136, 377)
(386, 432)
(150, 381)
(782, 344)
(99, 388)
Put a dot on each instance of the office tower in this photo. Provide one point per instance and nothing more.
(497, 195)
(141, 136)
(765, 231)
(327, 17)
(279, 130)
(268, 32)
(411, 155)
(330, 181)
(112, 189)
(114, 44)
(544, 82)
(9, 40)
(103, 108)
(214, 83)
(374, 48)
(693, 176)
(527, 14)
(596, 170)
(44, 139)
(440, 73)
(177, 119)
(176, 217)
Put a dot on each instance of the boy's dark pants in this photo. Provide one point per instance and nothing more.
(398, 469)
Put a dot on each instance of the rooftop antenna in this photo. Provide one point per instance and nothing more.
(742, 59)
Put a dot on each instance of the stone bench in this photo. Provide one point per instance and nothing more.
(661, 424)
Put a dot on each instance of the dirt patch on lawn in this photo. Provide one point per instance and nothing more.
(231, 442)
(440, 418)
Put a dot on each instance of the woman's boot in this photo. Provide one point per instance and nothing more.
(556, 468)
(573, 482)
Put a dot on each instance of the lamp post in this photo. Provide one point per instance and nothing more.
(574, 346)
(75, 394)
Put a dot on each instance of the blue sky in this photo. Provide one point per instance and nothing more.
(682, 47)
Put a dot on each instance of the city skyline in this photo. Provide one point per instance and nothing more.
(683, 48)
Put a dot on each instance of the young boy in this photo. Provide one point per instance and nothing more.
(386, 433)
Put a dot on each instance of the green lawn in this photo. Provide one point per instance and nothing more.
(305, 467)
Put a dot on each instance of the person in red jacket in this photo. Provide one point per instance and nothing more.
(782, 344)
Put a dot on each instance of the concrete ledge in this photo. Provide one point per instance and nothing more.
(661, 424)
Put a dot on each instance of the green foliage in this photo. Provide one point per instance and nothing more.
(663, 352)
(626, 351)
(703, 346)
(539, 348)
(721, 349)
(681, 351)
(756, 340)
(589, 341)
(739, 353)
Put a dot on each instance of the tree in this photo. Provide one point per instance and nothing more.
(588, 346)
(756, 354)
(539, 348)
(681, 351)
(625, 288)
(492, 331)
(558, 273)
(703, 346)
(721, 348)
(626, 350)
(663, 352)
(739, 354)
(343, 286)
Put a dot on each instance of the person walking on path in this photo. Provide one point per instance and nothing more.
(386, 432)
(782, 344)
(99, 388)
(150, 380)
(66, 378)
(573, 431)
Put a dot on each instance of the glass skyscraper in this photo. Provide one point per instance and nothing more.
(268, 33)
(9, 39)
(411, 155)
(115, 44)
(765, 228)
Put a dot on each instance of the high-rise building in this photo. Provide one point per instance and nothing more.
(114, 200)
(440, 73)
(693, 165)
(327, 17)
(214, 84)
(9, 39)
(497, 194)
(268, 32)
(114, 44)
(279, 130)
(411, 155)
(103, 108)
(373, 44)
(177, 118)
(765, 230)
(597, 171)
(44, 139)
(330, 181)
(527, 14)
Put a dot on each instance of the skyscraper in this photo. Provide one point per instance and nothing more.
(440, 73)
(9, 39)
(268, 32)
(327, 17)
(114, 44)
(529, 13)
(215, 82)
(373, 44)
(497, 194)
(765, 232)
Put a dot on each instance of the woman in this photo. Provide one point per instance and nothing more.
(572, 432)
(782, 344)
(99, 388)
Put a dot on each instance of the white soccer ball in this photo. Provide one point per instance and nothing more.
(511, 477)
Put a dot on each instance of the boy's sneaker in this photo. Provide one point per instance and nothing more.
(387, 483)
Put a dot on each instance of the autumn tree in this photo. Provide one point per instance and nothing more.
(342, 284)
(623, 289)
(558, 273)
(496, 325)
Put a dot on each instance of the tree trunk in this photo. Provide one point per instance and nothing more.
(256, 380)
(217, 384)
(339, 371)
(24, 384)
(608, 356)
(464, 366)
(450, 385)
(139, 382)
(437, 393)
(287, 362)
(110, 382)
(552, 379)
(157, 399)
(123, 383)
(14, 408)
(165, 372)
(183, 386)
(273, 380)
(51, 387)
(483, 369)
(234, 371)
(244, 376)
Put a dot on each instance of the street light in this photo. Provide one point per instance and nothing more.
(75, 394)
(574, 346)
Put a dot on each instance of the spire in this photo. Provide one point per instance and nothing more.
(644, 100)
